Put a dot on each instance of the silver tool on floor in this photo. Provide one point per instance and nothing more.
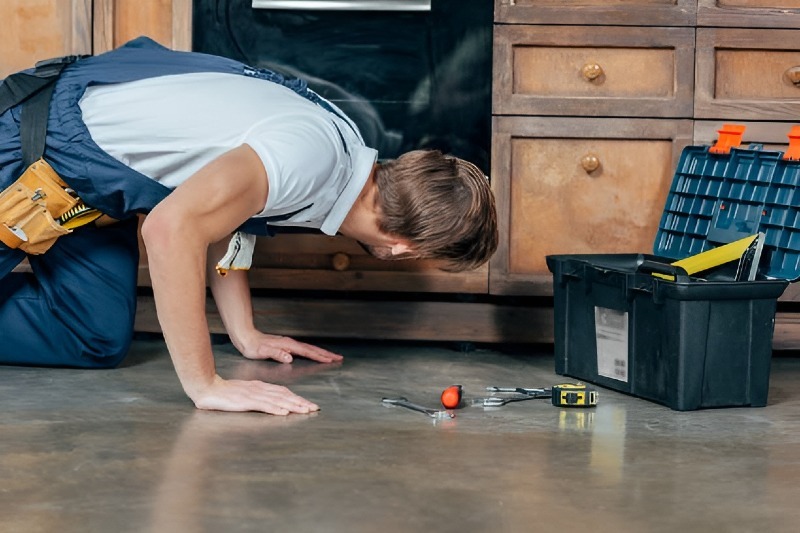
(497, 401)
(403, 402)
(542, 393)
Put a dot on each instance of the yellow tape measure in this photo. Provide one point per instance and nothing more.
(574, 395)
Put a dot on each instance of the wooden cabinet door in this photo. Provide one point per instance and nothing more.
(748, 74)
(571, 185)
(583, 71)
(749, 13)
(41, 29)
(168, 22)
(597, 12)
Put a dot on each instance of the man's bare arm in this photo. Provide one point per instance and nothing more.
(177, 234)
(232, 296)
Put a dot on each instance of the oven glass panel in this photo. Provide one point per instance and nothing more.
(409, 79)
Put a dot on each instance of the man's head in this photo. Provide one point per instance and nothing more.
(441, 206)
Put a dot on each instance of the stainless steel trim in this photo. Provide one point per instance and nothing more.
(345, 5)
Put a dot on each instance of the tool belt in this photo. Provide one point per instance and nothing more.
(39, 208)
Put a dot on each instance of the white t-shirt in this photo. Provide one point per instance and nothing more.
(168, 127)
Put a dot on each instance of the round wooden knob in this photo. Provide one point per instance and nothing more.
(793, 75)
(592, 71)
(340, 261)
(590, 163)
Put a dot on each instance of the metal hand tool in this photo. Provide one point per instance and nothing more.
(539, 393)
(403, 402)
(497, 401)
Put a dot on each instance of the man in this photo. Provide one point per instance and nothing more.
(207, 146)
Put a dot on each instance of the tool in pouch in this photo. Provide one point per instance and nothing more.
(39, 207)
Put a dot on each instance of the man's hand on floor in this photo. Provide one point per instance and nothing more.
(257, 345)
(237, 395)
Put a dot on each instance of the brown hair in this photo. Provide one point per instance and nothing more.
(442, 205)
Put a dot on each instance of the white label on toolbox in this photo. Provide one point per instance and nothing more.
(611, 331)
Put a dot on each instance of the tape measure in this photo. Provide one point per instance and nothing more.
(574, 395)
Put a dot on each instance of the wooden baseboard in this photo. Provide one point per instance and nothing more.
(395, 320)
(414, 320)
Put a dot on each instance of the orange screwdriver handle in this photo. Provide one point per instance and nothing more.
(451, 397)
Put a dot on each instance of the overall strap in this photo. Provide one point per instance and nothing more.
(33, 89)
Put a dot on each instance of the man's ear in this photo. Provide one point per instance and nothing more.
(401, 248)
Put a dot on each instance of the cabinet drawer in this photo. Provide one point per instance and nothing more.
(322, 263)
(570, 185)
(578, 70)
(597, 12)
(749, 13)
(318, 262)
(748, 74)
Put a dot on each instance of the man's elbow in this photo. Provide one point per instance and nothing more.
(160, 230)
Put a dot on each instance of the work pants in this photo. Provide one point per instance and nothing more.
(76, 309)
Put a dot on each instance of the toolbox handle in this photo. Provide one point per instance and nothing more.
(648, 266)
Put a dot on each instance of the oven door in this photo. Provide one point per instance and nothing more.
(411, 73)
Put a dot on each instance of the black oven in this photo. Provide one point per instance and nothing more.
(411, 73)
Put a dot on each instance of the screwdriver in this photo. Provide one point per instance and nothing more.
(451, 397)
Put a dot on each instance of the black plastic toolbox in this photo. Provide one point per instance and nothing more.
(695, 342)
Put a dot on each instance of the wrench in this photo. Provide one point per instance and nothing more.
(403, 402)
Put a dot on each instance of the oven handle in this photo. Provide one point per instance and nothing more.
(345, 5)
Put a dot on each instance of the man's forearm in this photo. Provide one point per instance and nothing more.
(176, 269)
(231, 294)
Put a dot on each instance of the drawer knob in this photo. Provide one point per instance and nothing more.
(793, 75)
(592, 71)
(340, 261)
(590, 163)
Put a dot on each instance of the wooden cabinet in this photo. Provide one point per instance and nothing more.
(590, 121)
(593, 104)
(580, 166)
(41, 29)
(168, 22)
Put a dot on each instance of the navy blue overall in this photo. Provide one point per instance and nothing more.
(76, 308)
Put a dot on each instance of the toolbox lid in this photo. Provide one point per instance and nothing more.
(721, 194)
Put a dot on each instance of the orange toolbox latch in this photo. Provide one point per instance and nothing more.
(793, 152)
(730, 136)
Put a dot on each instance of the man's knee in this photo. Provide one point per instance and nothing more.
(106, 336)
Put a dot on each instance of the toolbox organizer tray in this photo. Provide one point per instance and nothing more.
(716, 199)
(699, 341)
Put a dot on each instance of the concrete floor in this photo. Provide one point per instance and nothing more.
(124, 450)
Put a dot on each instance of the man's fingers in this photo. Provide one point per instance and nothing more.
(268, 352)
(282, 350)
(315, 353)
(235, 395)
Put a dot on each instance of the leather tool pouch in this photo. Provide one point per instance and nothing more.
(29, 209)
